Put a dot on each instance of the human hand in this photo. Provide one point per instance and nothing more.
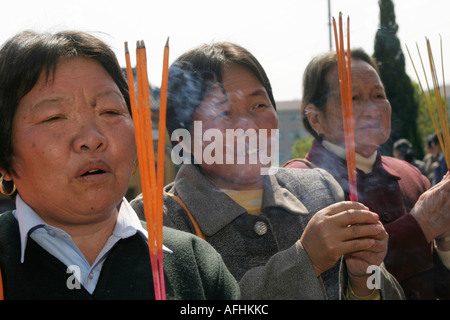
(359, 262)
(432, 210)
(340, 229)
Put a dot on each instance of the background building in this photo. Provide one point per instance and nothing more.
(290, 127)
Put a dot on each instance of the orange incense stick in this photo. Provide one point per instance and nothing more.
(152, 195)
(149, 193)
(161, 153)
(345, 84)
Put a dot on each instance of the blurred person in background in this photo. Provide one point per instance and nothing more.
(416, 217)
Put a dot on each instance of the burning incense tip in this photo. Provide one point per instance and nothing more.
(126, 47)
(140, 44)
(167, 42)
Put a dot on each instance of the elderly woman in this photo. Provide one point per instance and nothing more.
(281, 235)
(67, 154)
(396, 190)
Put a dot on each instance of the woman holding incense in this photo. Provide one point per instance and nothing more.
(416, 218)
(67, 152)
(281, 235)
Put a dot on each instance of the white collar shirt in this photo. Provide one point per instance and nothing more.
(59, 244)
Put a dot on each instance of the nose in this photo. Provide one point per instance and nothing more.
(244, 122)
(89, 137)
(370, 108)
(243, 117)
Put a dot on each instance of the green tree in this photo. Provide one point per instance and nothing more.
(399, 88)
(301, 147)
(425, 126)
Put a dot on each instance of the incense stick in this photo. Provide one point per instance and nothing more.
(345, 84)
(161, 154)
(438, 111)
(151, 182)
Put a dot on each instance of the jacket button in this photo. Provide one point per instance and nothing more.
(260, 228)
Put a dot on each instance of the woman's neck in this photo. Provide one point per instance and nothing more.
(363, 163)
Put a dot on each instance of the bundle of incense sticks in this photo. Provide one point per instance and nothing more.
(152, 182)
(345, 84)
(437, 107)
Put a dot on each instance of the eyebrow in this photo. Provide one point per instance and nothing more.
(259, 92)
(51, 100)
(255, 93)
(108, 92)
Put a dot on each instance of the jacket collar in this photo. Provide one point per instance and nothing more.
(213, 209)
(326, 159)
(127, 223)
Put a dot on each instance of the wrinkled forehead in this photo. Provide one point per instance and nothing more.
(363, 74)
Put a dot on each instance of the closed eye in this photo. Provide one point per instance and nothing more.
(260, 105)
(111, 112)
(53, 119)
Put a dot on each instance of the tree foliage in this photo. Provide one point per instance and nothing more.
(301, 146)
(399, 88)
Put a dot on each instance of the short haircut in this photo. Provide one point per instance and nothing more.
(27, 54)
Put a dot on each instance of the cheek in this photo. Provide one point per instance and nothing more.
(37, 150)
(333, 124)
(386, 125)
(126, 144)
(270, 121)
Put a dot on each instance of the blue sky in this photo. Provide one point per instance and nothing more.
(284, 35)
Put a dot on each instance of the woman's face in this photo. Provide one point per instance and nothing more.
(371, 110)
(237, 113)
(73, 144)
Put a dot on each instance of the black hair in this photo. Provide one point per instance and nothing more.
(26, 55)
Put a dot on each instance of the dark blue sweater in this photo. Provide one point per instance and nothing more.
(193, 271)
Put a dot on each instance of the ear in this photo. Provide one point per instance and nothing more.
(4, 174)
(314, 118)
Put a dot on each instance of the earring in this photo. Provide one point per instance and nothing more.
(3, 190)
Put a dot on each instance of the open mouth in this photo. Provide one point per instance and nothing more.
(93, 172)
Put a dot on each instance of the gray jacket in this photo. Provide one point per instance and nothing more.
(264, 252)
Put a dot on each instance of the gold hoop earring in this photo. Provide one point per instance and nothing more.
(2, 191)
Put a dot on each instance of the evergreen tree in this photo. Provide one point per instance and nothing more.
(399, 88)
